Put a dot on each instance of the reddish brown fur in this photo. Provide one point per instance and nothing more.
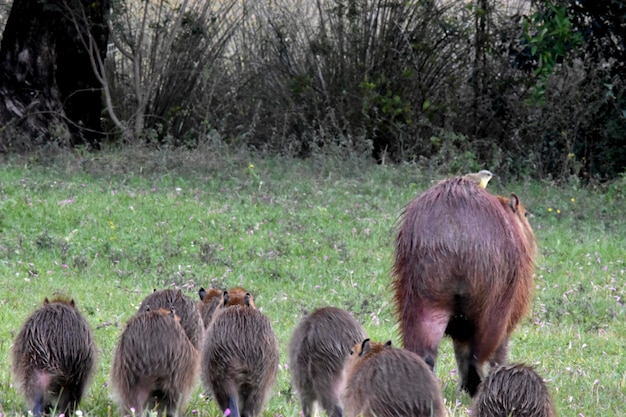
(513, 391)
(383, 381)
(463, 266)
(318, 350)
(184, 308)
(53, 357)
(155, 364)
(209, 301)
(240, 356)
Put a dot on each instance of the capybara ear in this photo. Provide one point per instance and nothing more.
(225, 298)
(202, 293)
(514, 202)
(46, 301)
(388, 344)
(154, 290)
(247, 299)
(365, 347)
(72, 302)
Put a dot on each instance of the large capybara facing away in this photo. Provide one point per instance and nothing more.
(383, 381)
(240, 356)
(53, 357)
(318, 350)
(155, 364)
(463, 266)
(184, 307)
(514, 390)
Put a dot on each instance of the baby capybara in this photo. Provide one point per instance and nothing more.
(240, 356)
(318, 350)
(155, 364)
(184, 307)
(383, 381)
(514, 390)
(463, 266)
(209, 301)
(53, 357)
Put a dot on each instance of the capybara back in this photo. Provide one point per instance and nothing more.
(318, 349)
(463, 266)
(240, 357)
(183, 306)
(383, 381)
(155, 364)
(514, 390)
(53, 357)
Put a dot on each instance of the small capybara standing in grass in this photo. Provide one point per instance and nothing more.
(155, 364)
(184, 307)
(53, 357)
(463, 266)
(514, 390)
(318, 350)
(383, 381)
(209, 301)
(240, 356)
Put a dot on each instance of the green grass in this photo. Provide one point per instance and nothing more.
(108, 229)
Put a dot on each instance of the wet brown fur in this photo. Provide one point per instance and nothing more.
(318, 350)
(240, 356)
(155, 364)
(53, 357)
(383, 381)
(183, 306)
(209, 300)
(463, 266)
(513, 391)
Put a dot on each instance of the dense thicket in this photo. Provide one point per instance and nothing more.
(522, 87)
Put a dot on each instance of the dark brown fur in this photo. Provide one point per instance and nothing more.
(53, 357)
(513, 391)
(209, 300)
(463, 266)
(240, 356)
(155, 364)
(184, 308)
(383, 381)
(318, 350)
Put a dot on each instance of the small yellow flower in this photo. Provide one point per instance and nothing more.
(558, 211)
(111, 225)
(549, 209)
(572, 199)
(570, 155)
(251, 166)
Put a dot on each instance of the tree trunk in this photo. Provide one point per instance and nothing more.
(48, 91)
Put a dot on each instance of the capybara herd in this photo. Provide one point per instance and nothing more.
(463, 267)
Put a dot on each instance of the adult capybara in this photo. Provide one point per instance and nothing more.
(383, 381)
(209, 301)
(155, 365)
(240, 356)
(318, 350)
(463, 266)
(184, 307)
(53, 357)
(514, 390)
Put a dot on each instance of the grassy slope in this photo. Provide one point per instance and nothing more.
(298, 234)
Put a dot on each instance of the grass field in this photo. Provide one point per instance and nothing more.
(110, 228)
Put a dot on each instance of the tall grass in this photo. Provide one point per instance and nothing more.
(107, 229)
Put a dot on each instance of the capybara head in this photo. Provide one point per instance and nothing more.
(184, 307)
(464, 263)
(155, 365)
(318, 349)
(514, 390)
(238, 296)
(383, 381)
(209, 301)
(53, 357)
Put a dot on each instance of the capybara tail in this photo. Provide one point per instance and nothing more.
(232, 406)
(38, 408)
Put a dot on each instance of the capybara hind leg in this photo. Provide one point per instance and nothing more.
(469, 374)
(423, 329)
(306, 400)
(500, 355)
(251, 401)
